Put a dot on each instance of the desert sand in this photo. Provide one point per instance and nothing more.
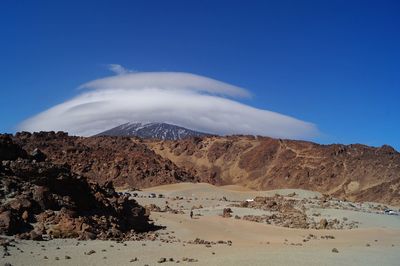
(376, 240)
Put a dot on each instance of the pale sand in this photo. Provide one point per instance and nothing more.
(253, 243)
(232, 192)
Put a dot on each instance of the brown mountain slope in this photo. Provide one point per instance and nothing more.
(356, 172)
(101, 159)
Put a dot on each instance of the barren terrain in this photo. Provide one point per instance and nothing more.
(210, 239)
(355, 172)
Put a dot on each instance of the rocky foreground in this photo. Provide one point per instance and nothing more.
(221, 233)
(60, 188)
(41, 200)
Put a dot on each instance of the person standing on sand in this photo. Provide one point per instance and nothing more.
(191, 214)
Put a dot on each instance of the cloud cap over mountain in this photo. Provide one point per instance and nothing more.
(183, 99)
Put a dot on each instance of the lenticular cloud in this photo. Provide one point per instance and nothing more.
(183, 99)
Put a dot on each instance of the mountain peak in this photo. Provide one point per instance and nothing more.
(152, 130)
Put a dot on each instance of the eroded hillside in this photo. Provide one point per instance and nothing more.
(118, 159)
(356, 172)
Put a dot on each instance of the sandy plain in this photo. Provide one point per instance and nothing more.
(376, 241)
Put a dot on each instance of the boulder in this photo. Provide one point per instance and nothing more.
(227, 213)
(9, 150)
(38, 155)
(323, 224)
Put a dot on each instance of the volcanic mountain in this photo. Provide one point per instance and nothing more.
(161, 131)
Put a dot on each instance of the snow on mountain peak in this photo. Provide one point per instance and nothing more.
(152, 130)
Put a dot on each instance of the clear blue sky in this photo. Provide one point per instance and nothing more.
(333, 63)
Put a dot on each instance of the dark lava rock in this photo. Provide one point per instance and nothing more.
(60, 203)
(38, 155)
(9, 150)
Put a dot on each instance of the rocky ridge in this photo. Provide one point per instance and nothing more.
(124, 161)
(355, 172)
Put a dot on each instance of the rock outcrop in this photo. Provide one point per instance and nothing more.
(292, 213)
(39, 199)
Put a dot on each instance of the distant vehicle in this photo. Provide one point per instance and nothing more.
(152, 195)
(390, 212)
(250, 200)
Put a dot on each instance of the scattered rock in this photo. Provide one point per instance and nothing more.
(90, 252)
(227, 213)
(323, 223)
(189, 259)
(162, 260)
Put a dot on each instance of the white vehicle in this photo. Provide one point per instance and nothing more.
(250, 200)
(390, 212)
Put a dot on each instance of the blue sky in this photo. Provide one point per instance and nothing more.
(333, 63)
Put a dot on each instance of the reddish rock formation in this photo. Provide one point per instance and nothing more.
(41, 198)
(356, 172)
(121, 160)
(291, 213)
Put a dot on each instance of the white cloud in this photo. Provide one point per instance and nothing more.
(171, 81)
(118, 69)
(183, 99)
